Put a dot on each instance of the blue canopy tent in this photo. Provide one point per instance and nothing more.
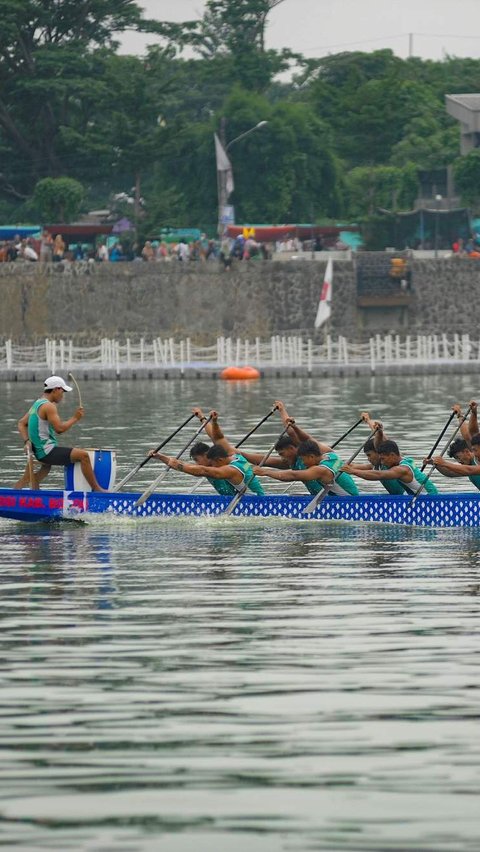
(9, 232)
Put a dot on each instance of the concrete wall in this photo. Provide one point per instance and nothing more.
(202, 301)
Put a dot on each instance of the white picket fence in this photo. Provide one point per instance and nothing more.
(286, 351)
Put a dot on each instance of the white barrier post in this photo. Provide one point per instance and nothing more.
(171, 345)
(155, 352)
(329, 348)
(116, 345)
(445, 352)
(182, 357)
(129, 352)
(8, 353)
(189, 350)
(372, 355)
(309, 357)
(257, 351)
(142, 351)
(70, 353)
(247, 352)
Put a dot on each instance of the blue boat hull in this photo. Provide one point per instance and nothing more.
(437, 510)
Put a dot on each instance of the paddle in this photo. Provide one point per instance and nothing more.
(31, 472)
(347, 433)
(260, 423)
(153, 485)
(323, 493)
(457, 430)
(73, 379)
(442, 433)
(148, 458)
(236, 500)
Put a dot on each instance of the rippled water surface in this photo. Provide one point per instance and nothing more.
(209, 684)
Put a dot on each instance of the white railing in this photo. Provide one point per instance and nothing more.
(277, 351)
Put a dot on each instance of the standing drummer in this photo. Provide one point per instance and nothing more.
(39, 428)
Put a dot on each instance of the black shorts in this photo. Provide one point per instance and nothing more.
(57, 456)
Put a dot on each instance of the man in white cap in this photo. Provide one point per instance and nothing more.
(39, 428)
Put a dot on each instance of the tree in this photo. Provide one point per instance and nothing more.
(467, 177)
(58, 199)
(370, 188)
(51, 58)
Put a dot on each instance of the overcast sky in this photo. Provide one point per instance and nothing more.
(319, 27)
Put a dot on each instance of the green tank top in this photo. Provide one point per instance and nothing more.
(227, 489)
(475, 479)
(418, 478)
(343, 484)
(41, 434)
(393, 486)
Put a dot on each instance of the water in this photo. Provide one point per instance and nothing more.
(211, 685)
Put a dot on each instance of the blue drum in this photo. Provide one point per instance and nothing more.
(104, 463)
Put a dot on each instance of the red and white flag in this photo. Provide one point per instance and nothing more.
(324, 309)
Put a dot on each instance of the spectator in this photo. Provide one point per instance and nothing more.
(46, 247)
(58, 248)
(102, 255)
(29, 252)
(148, 252)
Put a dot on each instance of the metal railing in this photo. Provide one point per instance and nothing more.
(277, 351)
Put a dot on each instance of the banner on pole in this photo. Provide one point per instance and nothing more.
(324, 306)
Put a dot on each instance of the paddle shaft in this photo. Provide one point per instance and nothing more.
(347, 433)
(31, 472)
(236, 500)
(452, 438)
(73, 379)
(148, 458)
(260, 423)
(442, 433)
(153, 485)
(322, 494)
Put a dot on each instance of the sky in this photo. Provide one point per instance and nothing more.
(319, 27)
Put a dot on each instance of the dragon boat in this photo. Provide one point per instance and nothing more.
(430, 510)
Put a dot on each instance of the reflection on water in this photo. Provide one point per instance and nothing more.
(208, 684)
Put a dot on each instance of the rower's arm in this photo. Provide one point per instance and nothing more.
(256, 458)
(361, 466)
(473, 422)
(22, 426)
(59, 426)
(398, 472)
(455, 469)
(215, 432)
(324, 474)
(374, 425)
(464, 428)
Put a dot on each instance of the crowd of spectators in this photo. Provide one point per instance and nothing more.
(226, 251)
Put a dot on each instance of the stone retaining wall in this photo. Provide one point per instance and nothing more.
(203, 301)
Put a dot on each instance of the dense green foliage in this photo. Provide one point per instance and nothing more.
(346, 134)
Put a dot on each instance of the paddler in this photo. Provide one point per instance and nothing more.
(227, 472)
(394, 467)
(370, 448)
(39, 428)
(316, 469)
(468, 457)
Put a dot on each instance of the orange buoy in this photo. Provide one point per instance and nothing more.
(240, 373)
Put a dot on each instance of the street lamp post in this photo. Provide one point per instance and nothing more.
(438, 199)
(223, 192)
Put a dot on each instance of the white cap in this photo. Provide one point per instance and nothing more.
(54, 382)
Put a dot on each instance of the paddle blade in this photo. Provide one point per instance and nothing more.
(310, 507)
(151, 488)
(235, 501)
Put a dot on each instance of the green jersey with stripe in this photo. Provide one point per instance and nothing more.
(475, 479)
(228, 489)
(40, 432)
(418, 479)
(343, 485)
(393, 486)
